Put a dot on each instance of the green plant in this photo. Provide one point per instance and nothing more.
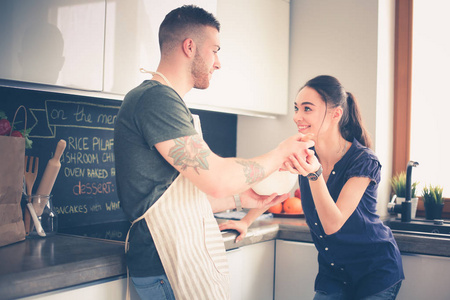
(398, 184)
(433, 194)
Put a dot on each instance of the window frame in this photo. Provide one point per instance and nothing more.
(402, 85)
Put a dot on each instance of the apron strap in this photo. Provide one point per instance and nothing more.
(127, 247)
(157, 73)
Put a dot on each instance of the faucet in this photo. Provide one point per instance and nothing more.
(405, 207)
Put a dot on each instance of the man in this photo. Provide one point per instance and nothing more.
(169, 181)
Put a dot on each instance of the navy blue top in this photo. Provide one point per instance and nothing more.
(362, 258)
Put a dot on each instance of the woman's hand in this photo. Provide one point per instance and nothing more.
(239, 226)
(297, 165)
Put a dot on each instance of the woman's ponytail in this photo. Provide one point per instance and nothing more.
(351, 124)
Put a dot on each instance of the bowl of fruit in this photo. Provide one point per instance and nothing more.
(289, 208)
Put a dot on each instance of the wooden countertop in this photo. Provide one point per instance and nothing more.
(40, 265)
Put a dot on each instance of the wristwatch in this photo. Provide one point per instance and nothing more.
(237, 201)
(314, 176)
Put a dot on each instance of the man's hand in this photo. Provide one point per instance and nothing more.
(250, 199)
(297, 165)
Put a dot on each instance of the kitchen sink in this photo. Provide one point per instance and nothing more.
(429, 227)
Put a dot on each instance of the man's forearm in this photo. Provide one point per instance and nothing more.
(221, 204)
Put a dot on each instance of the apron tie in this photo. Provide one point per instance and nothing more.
(127, 247)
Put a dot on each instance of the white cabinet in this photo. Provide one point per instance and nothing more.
(131, 40)
(114, 289)
(53, 42)
(252, 271)
(101, 45)
(295, 271)
(426, 277)
(254, 52)
(254, 56)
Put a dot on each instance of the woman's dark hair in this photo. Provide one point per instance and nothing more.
(182, 21)
(334, 95)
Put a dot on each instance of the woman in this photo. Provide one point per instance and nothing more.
(358, 256)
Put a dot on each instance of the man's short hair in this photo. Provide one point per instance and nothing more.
(182, 23)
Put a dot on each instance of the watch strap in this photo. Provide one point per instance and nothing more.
(314, 176)
(237, 202)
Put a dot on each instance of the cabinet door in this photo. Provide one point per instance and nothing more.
(254, 56)
(252, 271)
(426, 277)
(53, 42)
(131, 40)
(111, 289)
(296, 268)
(236, 263)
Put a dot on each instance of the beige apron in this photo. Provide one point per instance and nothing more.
(188, 241)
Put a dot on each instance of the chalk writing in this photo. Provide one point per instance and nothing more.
(76, 143)
(79, 158)
(97, 173)
(91, 188)
(108, 157)
(81, 114)
(75, 172)
(95, 207)
(113, 234)
(112, 205)
(106, 119)
(102, 144)
(71, 209)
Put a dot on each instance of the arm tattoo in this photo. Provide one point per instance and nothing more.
(252, 170)
(189, 152)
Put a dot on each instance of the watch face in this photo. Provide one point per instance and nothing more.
(315, 176)
(312, 176)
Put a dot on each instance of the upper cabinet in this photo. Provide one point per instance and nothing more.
(53, 42)
(101, 45)
(254, 52)
(131, 40)
(254, 57)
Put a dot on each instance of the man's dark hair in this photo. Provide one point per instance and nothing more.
(182, 23)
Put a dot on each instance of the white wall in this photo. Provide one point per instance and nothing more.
(352, 41)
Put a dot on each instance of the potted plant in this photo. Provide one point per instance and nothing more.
(398, 183)
(433, 201)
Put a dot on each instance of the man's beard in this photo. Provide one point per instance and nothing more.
(200, 73)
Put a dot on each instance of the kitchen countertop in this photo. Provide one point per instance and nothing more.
(295, 229)
(40, 265)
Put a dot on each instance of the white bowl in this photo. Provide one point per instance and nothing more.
(280, 182)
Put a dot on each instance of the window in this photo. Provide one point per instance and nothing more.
(421, 100)
(430, 100)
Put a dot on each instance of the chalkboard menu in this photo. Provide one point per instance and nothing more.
(85, 189)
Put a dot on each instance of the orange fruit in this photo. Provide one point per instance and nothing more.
(276, 209)
(293, 205)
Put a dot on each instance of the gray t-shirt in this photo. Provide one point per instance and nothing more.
(150, 113)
